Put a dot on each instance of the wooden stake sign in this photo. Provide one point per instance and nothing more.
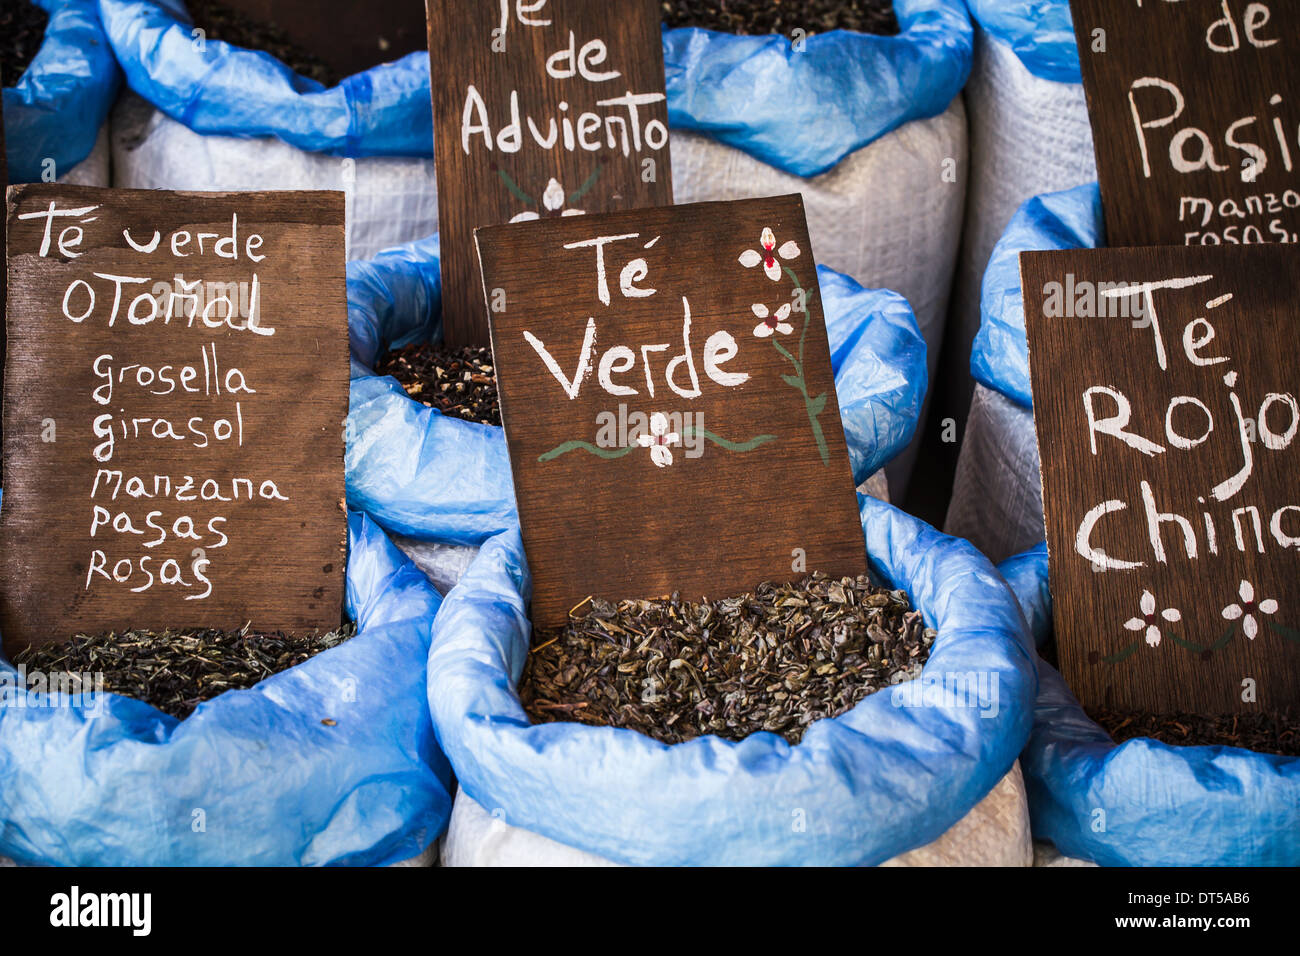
(1195, 110)
(175, 388)
(668, 401)
(1165, 403)
(541, 109)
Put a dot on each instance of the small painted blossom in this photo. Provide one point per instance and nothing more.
(1247, 609)
(552, 202)
(769, 255)
(776, 322)
(659, 439)
(1149, 620)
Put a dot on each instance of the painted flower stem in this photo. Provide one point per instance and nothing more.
(812, 405)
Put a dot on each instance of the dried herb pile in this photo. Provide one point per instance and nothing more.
(1263, 733)
(22, 30)
(458, 382)
(220, 22)
(176, 671)
(776, 660)
(756, 17)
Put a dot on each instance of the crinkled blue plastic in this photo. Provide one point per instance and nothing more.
(60, 103)
(875, 782)
(114, 782)
(1040, 31)
(431, 476)
(1165, 806)
(1066, 220)
(802, 111)
(805, 110)
(220, 88)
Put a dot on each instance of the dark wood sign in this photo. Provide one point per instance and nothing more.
(541, 109)
(1195, 110)
(1166, 407)
(668, 402)
(348, 36)
(176, 382)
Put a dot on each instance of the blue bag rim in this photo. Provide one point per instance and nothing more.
(976, 777)
(1039, 32)
(72, 96)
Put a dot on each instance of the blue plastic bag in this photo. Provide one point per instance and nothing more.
(431, 476)
(873, 783)
(1041, 32)
(225, 89)
(56, 110)
(1164, 806)
(803, 110)
(253, 777)
(1066, 220)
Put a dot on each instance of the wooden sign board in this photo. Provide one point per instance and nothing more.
(1195, 110)
(541, 109)
(1165, 399)
(668, 402)
(176, 382)
(348, 36)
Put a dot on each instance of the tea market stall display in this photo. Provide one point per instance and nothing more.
(208, 114)
(1029, 134)
(158, 350)
(869, 129)
(60, 81)
(743, 392)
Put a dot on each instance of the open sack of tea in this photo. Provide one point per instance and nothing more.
(436, 477)
(997, 497)
(1143, 802)
(331, 762)
(869, 129)
(896, 772)
(56, 114)
(1029, 134)
(212, 116)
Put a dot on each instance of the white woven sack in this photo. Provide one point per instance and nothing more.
(994, 833)
(94, 169)
(997, 498)
(885, 215)
(1027, 136)
(390, 200)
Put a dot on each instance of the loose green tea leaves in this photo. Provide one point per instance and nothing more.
(22, 30)
(220, 22)
(458, 382)
(777, 659)
(754, 17)
(1260, 732)
(176, 671)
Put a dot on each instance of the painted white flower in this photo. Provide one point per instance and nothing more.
(770, 255)
(1247, 609)
(1149, 620)
(659, 439)
(776, 322)
(552, 202)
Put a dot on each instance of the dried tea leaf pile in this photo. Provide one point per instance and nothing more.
(22, 30)
(458, 382)
(220, 22)
(176, 671)
(776, 660)
(756, 17)
(1262, 733)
